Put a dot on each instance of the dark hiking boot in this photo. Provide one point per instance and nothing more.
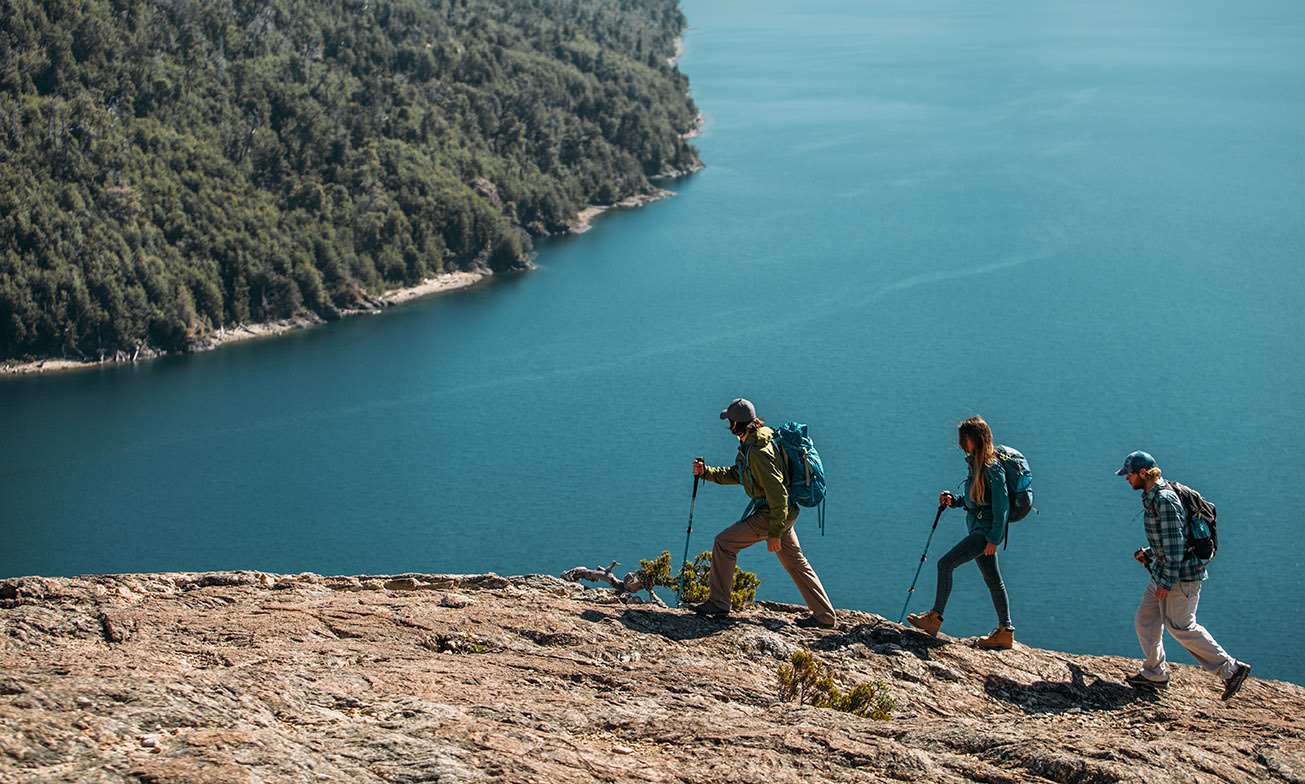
(710, 610)
(810, 622)
(929, 622)
(1001, 638)
(1140, 681)
(1234, 683)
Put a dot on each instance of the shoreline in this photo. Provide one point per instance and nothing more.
(448, 282)
(585, 218)
(440, 284)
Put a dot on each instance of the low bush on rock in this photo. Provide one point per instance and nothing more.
(697, 577)
(809, 681)
(657, 574)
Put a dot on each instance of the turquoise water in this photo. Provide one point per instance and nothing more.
(1081, 221)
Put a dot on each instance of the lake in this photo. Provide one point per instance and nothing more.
(1082, 221)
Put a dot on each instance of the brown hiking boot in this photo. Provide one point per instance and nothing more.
(1002, 638)
(926, 622)
(709, 610)
(1140, 681)
(1234, 684)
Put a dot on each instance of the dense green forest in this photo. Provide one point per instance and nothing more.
(168, 167)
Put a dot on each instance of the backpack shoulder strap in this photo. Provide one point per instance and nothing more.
(781, 452)
(1185, 498)
(746, 452)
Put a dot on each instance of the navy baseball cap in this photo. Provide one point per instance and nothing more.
(1136, 461)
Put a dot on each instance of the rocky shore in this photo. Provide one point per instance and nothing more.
(452, 281)
(448, 282)
(251, 677)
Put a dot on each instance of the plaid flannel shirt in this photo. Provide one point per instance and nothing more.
(1165, 524)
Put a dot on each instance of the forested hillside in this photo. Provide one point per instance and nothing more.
(168, 167)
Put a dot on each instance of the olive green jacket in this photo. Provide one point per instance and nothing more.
(760, 470)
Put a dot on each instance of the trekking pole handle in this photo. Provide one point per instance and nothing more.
(694, 501)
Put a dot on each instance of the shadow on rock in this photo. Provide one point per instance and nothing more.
(882, 637)
(672, 625)
(1061, 696)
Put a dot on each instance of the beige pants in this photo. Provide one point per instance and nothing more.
(1177, 613)
(749, 531)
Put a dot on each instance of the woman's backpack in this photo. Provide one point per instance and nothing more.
(1019, 482)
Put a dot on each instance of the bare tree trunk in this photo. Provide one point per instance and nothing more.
(629, 584)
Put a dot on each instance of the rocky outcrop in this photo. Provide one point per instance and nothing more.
(252, 677)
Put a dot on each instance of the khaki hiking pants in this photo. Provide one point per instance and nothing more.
(749, 531)
(1177, 613)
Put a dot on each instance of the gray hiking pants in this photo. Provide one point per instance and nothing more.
(749, 531)
(971, 547)
(1177, 613)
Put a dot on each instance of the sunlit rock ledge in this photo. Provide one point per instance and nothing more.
(254, 677)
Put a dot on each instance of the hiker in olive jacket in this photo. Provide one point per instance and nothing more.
(771, 516)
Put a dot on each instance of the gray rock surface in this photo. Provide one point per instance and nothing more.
(245, 677)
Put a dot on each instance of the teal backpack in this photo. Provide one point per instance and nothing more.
(1019, 482)
(804, 475)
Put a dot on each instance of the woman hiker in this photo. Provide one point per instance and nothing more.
(757, 467)
(986, 510)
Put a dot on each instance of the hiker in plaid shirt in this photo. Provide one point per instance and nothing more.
(1170, 599)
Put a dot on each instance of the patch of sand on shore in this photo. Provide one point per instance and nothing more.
(440, 283)
(585, 218)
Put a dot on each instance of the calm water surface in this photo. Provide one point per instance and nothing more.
(1080, 220)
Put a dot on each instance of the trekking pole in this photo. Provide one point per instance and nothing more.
(923, 555)
(679, 599)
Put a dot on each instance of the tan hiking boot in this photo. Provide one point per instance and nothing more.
(1002, 638)
(926, 622)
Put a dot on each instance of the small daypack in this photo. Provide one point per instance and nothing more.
(1019, 482)
(1199, 526)
(804, 475)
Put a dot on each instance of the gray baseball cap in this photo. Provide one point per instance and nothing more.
(739, 410)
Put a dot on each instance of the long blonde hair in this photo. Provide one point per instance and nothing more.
(976, 431)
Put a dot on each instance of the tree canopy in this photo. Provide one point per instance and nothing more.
(169, 167)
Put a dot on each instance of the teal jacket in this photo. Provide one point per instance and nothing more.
(989, 517)
(758, 468)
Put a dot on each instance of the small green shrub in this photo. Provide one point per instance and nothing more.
(657, 573)
(870, 700)
(802, 678)
(457, 643)
(808, 681)
(697, 585)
